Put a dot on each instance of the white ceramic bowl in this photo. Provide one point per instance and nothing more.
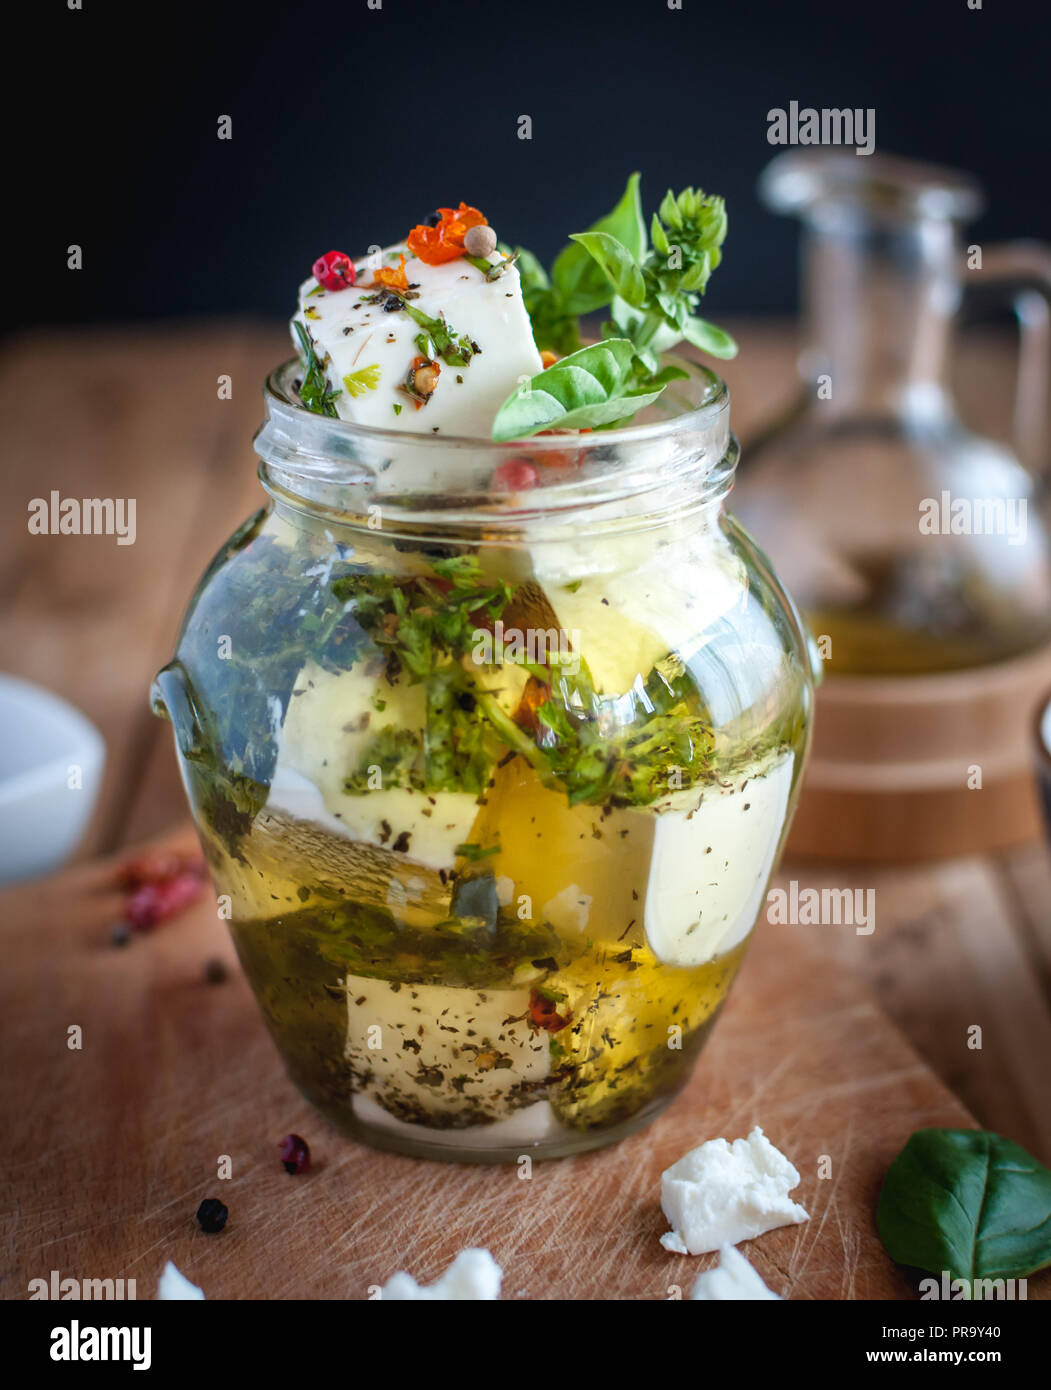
(51, 762)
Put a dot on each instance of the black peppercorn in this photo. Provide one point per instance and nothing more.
(432, 219)
(215, 972)
(211, 1216)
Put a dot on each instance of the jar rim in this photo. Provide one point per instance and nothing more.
(279, 395)
(682, 455)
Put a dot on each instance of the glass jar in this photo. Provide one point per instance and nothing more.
(912, 545)
(492, 750)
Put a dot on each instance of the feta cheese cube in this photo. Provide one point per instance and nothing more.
(722, 1193)
(367, 352)
(713, 853)
(431, 1051)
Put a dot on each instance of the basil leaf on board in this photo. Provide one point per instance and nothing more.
(969, 1202)
(616, 263)
(587, 390)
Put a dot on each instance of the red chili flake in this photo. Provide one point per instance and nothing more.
(391, 277)
(436, 243)
(152, 903)
(516, 475)
(154, 865)
(295, 1153)
(334, 271)
(543, 1013)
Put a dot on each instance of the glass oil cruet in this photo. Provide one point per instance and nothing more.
(911, 544)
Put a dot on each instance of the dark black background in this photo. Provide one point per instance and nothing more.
(350, 124)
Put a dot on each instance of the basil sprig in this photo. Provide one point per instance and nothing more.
(966, 1202)
(592, 388)
(652, 292)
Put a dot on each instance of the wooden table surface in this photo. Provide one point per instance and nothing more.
(956, 943)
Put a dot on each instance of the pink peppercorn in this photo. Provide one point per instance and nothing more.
(295, 1154)
(516, 475)
(334, 271)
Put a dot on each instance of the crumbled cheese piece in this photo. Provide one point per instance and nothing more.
(174, 1285)
(569, 910)
(474, 1274)
(721, 1193)
(732, 1278)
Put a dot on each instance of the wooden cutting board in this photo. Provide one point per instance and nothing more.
(116, 1144)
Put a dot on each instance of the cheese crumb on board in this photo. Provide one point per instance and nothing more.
(474, 1274)
(722, 1193)
(173, 1286)
(732, 1279)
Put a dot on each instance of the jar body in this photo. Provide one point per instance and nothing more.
(495, 819)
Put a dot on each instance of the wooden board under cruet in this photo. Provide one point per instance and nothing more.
(907, 768)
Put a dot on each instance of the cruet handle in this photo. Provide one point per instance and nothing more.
(1018, 274)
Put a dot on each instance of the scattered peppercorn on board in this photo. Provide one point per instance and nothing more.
(114, 1146)
(120, 1140)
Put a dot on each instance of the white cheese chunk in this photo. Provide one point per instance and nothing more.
(723, 1193)
(174, 1286)
(352, 336)
(474, 1274)
(733, 1279)
(712, 857)
(435, 1050)
(330, 721)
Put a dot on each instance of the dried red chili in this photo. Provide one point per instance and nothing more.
(435, 245)
(543, 1013)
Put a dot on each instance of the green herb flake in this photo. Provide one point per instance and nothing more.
(364, 379)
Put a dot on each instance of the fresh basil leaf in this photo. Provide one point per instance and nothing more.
(530, 272)
(696, 276)
(617, 264)
(968, 1202)
(659, 236)
(579, 281)
(578, 278)
(664, 376)
(709, 338)
(587, 390)
(669, 211)
(625, 221)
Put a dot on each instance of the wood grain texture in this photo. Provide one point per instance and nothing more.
(118, 1143)
(951, 950)
(139, 417)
